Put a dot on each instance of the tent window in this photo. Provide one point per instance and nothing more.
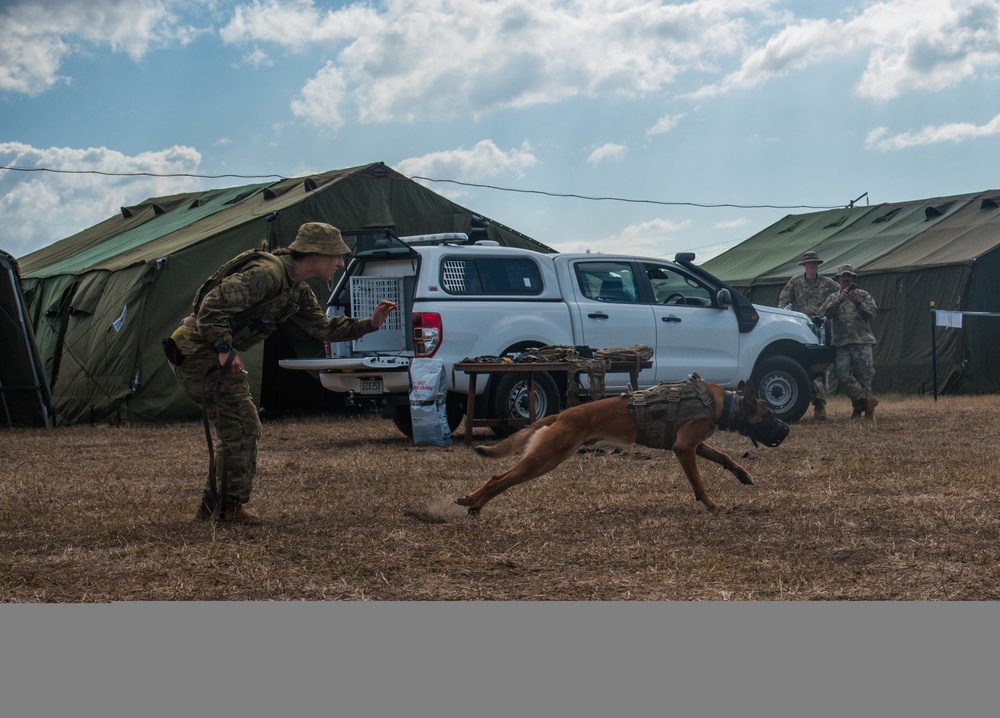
(836, 223)
(989, 203)
(790, 229)
(934, 212)
(888, 216)
(88, 295)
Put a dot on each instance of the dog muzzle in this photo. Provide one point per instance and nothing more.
(769, 433)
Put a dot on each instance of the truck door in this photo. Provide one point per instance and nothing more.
(693, 333)
(611, 312)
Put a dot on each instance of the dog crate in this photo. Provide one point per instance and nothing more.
(365, 295)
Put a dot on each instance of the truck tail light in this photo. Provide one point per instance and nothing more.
(326, 349)
(427, 334)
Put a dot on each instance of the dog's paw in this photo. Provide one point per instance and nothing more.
(744, 478)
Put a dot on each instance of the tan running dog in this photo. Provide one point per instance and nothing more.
(694, 410)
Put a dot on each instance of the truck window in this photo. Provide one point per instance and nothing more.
(490, 275)
(607, 281)
(674, 287)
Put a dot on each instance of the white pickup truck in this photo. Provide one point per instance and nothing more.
(460, 300)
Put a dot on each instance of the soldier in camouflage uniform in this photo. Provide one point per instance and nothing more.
(851, 309)
(805, 293)
(238, 308)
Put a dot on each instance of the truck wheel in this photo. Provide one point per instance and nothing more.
(454, 409)
(510, 399)
(784, 384)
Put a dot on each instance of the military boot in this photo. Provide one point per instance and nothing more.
(870, 403)
(236, 514)
(859, 407)
(819, 411)
(205, 509)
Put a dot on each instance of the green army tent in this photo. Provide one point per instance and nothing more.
(101, 300)
(944, 250)
(24, 391)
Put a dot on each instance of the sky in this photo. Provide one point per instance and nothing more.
(590, 125)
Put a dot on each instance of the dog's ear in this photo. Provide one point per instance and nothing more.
(749, 399)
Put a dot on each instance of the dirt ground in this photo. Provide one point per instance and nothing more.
(903, 508)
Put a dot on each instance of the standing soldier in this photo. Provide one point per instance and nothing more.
(237, 308)
(805, 293)
(851, 309)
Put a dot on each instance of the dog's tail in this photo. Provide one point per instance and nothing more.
(516, 441)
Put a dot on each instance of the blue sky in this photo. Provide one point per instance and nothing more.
(764, 107)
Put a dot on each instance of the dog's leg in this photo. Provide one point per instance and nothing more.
(689, 439)
(545, 451)
(707, 452)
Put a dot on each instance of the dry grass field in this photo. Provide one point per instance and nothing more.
(900, 509)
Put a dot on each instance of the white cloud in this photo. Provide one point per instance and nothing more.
(258, 58)
(322, 99)
(37, 37)
(738, 223)
(446, 58)
(664, 124)
(655, 238)
(483, 160)
(52, 205)
(880, 139)
(610, 152)
(912, 45)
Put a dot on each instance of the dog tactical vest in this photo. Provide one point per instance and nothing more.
(659, 410)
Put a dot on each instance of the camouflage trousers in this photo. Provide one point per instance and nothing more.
(855, 369)
(819, 390)
(235, 419)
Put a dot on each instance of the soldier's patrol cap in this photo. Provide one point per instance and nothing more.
(319, 238)
(810, 257)
(845, 269)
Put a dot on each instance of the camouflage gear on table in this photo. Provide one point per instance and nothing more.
(242, 304)
(855, 369)
(807, 295)
(850, 323)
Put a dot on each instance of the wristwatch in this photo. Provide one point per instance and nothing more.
(223, 347)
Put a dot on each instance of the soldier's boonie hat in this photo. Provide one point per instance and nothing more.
(319, 238)
(810, 257)
(845, 269)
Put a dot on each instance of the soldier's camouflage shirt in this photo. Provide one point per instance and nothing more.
(849, 322)
(248, 305)
(807, 295)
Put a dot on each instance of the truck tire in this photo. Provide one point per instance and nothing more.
(510, 399)
(454, 409)
(784, 384)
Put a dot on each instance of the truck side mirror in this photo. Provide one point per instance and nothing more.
(723, 298)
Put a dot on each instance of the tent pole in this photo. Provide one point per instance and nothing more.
(934, 349)
(43, 404)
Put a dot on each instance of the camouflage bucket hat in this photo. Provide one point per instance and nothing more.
(810, 257)
(319, 238)
(845, 269)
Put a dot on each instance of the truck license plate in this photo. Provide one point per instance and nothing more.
(371, 386)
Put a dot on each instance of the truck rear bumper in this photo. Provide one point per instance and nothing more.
(366, 376)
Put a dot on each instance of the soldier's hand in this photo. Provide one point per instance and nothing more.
(382, 310)
(236, 367)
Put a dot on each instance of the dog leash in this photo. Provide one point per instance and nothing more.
(219, 494)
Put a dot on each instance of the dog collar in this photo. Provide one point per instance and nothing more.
(730, 411)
